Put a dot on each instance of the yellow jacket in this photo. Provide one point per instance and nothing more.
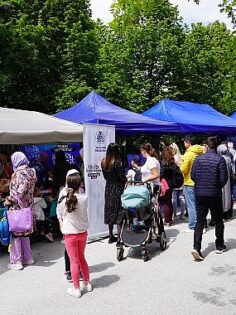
(187, 163)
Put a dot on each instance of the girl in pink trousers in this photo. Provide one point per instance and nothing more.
(74, 227)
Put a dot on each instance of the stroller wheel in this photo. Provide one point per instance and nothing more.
(120, 253)
(145, 257)
(145, 254)
(163, 241)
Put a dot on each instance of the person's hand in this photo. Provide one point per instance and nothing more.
(7, 203)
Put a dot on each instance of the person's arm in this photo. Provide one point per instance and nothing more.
(184, 166)
(120, 171)
(223, 172)
(193, 171)
(155, 173)
(43, 203)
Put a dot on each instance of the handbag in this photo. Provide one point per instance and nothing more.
(21, 220)
(5, 235)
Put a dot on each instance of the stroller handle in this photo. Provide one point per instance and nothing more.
(139, 182)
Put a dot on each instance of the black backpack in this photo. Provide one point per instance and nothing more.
(178, 178)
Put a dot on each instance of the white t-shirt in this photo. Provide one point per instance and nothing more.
(39, 205)
(76, 221)
(130, 175)
(150, 163)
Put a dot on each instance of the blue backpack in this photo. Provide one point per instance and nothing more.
(5, 235)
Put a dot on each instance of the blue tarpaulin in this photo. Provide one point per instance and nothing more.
(96, 109)
(193, 117)
(233, 115)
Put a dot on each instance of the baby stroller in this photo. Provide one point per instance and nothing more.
(141, 221)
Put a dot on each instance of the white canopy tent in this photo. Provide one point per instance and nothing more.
(28, 127)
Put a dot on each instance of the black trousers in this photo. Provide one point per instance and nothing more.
(67, 261)
(203, 204)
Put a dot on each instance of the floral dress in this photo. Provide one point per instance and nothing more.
(21, 189)
(115, 182)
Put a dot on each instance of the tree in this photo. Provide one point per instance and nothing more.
(25, 62)
(139, 56)
(48, 53)
(208, 65)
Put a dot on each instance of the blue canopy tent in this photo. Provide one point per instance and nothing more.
(96, 109)
(230, 138)
(192, 117)
(233, 115)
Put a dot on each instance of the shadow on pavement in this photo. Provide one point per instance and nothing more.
(154, 248)
(46, 254)
(226, 270)
(101, 267)
(172, 233)
(214, 296)
(105, 281)
(230, 243)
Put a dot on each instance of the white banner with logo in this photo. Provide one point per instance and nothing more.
(96, 140)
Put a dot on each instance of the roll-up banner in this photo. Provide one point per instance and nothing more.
(96, 139)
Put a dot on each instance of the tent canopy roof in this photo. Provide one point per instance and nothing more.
(96, 109)
(27, 127)
(233, 115)
(192, 117)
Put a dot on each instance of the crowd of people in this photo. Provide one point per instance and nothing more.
(202, 179)
(188, 186)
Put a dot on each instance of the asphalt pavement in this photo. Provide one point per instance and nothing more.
(170, 283)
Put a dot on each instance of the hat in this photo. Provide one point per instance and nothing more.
(71, 172)
(222, 149)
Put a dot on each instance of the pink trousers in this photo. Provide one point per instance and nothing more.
(75, 246)
(20, 250)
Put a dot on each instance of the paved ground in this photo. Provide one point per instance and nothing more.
(170, 283)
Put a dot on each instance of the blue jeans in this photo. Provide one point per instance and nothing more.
(189, 193)
(234, 190)
(178, 195)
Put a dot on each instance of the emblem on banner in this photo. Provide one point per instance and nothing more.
(100, 141)
(93, 171)
(100, 137)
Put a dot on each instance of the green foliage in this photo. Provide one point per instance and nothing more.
(140, 56)
(46, 46)
(52, 54)
(208, 63)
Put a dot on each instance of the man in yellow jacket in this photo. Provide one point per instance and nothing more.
(192, 151)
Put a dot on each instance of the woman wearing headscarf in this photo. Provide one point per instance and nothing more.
(226, 190)
(22, 185)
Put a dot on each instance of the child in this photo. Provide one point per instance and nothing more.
(74, 225)
(60, 217)
(38, 209)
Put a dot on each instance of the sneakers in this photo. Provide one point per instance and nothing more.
(18, 266)
(197, 255)
(221, 249)
(74, 292)
(188, 230)
(87, 287)
(28, 262)
(68, 276)
(112, 239)
(63, 241)
(212, 223)
(49, 237)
